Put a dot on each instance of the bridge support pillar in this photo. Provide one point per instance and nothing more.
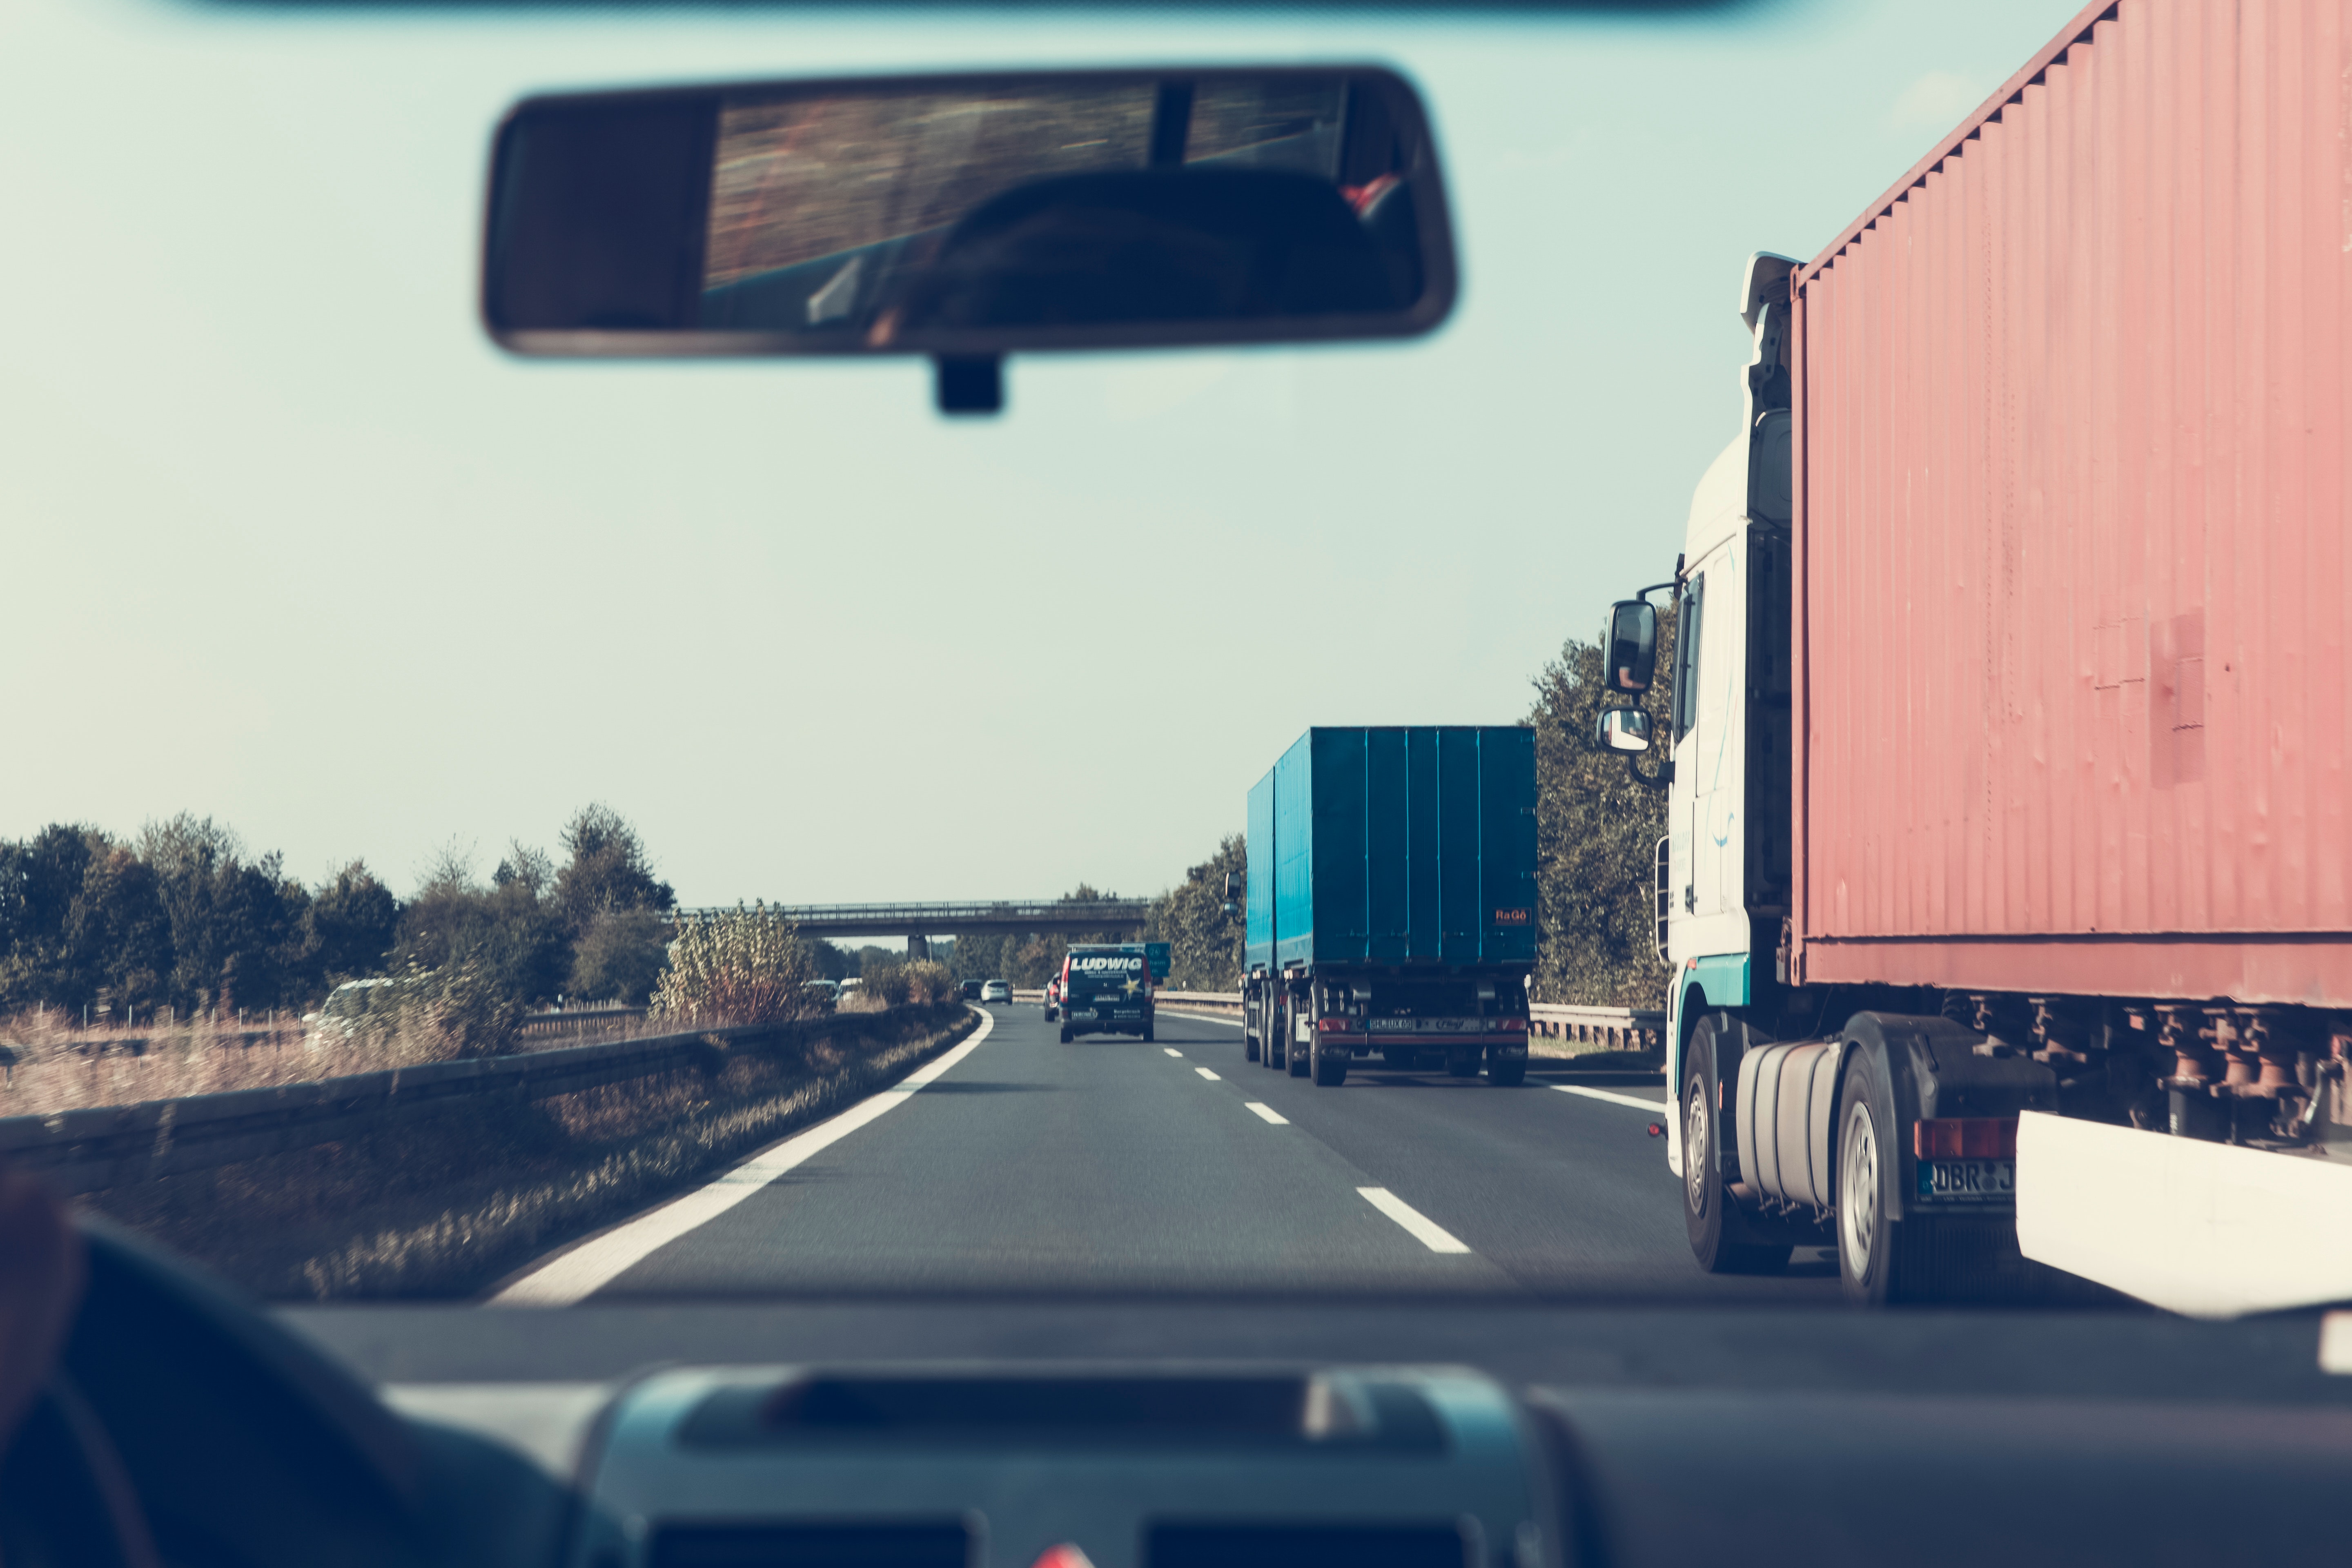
(918, 947)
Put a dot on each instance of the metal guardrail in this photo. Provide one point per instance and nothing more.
(1620, 1029)
(574, 1021)
(100, 1146)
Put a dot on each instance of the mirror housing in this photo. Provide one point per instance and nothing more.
(969, 216)
(1622, 730)
(1629, 646)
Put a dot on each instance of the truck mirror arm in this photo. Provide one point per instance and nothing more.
(1663, 779)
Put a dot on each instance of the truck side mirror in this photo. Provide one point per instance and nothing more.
(1629, 647)
(1622, 730)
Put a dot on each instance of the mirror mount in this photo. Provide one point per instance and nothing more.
(969, 383)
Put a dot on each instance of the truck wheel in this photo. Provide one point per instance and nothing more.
(1868, 1165)
(1460, 1066)
(1299, 1058)
(1147, 1034)
(1066, 1034)
(1330, 1068)
(1508, 1074)
(1249, 1047)
(1706, 1203)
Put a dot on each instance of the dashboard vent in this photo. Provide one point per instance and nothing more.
(937, 1544)
(1308, 1546)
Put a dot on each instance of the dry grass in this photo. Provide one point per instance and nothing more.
(64, 1068)
(445, 1207)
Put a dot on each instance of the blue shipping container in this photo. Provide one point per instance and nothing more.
(1395, 846)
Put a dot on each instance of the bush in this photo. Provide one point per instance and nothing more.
(740, 966)
(921, 983)
(618, 956)
(460, 1009)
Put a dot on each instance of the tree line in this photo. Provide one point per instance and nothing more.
(182, 916)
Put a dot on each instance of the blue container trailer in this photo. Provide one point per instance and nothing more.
(1392, 901)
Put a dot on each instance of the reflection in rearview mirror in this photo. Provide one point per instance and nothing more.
(1629, 646)
(1624, 729)
(967, 217)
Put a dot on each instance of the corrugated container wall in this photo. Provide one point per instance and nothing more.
(1397, 845)
(2073, 528)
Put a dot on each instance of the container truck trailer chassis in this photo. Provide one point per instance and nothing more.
(1317, 1024)
(2004, 892)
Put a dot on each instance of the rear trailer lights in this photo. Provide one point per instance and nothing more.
(1965, 1138)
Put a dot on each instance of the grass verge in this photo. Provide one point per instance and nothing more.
(445, 1207)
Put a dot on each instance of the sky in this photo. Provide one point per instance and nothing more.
(289, 542)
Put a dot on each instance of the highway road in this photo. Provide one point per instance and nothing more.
(1113, 1166)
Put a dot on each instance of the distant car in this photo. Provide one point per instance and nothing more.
(1053, 998)
(970, 991)
(823, 992)
(996, 991)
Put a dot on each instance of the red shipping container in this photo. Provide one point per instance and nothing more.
(2071, 525)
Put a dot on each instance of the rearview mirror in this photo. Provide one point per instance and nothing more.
(1624, 729)
(1629, 646)
(969, 216)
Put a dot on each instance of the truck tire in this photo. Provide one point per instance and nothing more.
(1330, 1068)
(1868, 1164)
(1249, 1047)
(1147, 1034)
(1299, 1058)
(1707, 1211)
(1506, 1074)
(1066, 1034)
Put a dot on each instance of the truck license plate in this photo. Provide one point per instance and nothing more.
(1421, 1026)
(1968, 1181)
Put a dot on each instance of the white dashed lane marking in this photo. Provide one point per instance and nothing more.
(1172, 1050)
(1269, 1114)
(1205, 1073)
(1424, 1230)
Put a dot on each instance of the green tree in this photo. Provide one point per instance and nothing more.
(235, 923)
(1596, 840)
(1204, 943)
(608, 869)
(349, 928)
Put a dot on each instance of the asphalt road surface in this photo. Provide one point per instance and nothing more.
(1110, 1165)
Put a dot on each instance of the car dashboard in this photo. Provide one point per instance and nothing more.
(1057, 1434)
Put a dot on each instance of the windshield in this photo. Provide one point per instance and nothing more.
(386, 702)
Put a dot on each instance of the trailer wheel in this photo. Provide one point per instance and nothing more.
(1707, 1213)
(1066, 1034)
(1330, 1068)
(1249, 1047)
(1299, 1058)
(1147, 1034)
(1869, 1238)
(1506, 1074)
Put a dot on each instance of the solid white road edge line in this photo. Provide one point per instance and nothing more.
(1659, 1105)
(589, 1267)
(1172, 1050)
(1268, 1114)
(1425, 1230)
(1205, 1073)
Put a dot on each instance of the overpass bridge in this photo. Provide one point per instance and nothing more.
(918, 922)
